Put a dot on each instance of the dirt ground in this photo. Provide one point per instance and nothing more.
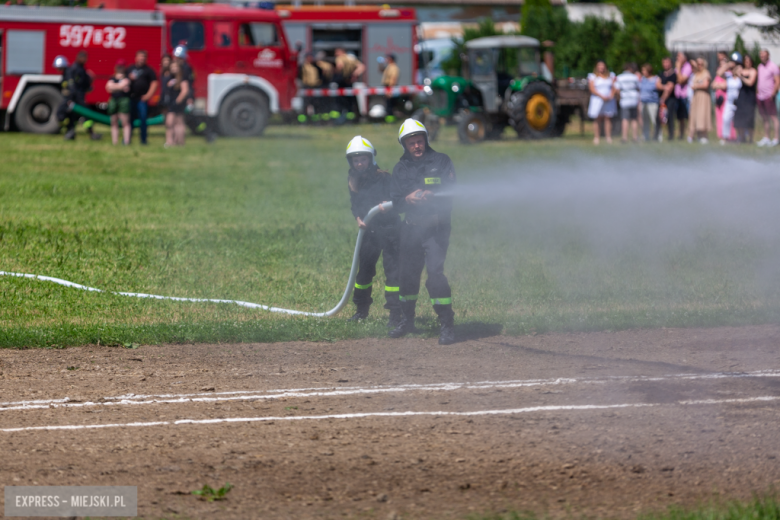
(601, 424)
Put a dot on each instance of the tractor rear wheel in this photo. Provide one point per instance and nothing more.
(532, 111)
(472, 128)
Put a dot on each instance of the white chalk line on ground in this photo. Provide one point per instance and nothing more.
(511, 411)
(245, 395)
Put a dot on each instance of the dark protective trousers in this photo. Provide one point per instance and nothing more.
(425, 245)
(64, 112)
(376, 242)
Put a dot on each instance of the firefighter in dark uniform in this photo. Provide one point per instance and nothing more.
(421, 180)
(368, 187)
(76, 83)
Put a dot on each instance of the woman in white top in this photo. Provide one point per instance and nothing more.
(602, 105)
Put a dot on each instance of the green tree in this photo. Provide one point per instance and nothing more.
(773, 7)
(540, 20)
(453, 64)
(577, 52)
(740, 47)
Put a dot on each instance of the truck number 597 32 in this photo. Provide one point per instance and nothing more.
(84, 36)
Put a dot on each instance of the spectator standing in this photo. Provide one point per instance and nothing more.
(732, 85)
(180, 57)
(648, 95)
(627, 84)
(745, 116)
(719, 84)
(165, 66)
(390, 76)
(119, 103)
(667, 108)
(684, 70)
(701, 106)
(143, 85)
(768, 86)
(166, 98)
(177, 92)
(602, 107)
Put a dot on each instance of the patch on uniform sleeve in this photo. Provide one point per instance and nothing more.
(433, 180)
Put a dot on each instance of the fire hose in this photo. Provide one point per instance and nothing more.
(335, 310)
(106, 120)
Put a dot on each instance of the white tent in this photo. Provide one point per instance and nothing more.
(708, 28)
(578, 12)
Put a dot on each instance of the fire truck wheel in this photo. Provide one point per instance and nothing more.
(244, 113)
(37, 110)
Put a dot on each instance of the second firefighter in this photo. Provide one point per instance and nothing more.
(368, 187)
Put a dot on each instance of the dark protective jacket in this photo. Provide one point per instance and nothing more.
(76, 82)
(366, 190)
(433, 172)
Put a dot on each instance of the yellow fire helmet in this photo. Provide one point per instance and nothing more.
(411, 127)
(360, 144)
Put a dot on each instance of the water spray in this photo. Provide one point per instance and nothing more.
(335, 310)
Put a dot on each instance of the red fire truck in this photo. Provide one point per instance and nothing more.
(368, 32)
(243, 65)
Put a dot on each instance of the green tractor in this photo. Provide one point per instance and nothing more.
(507, 85)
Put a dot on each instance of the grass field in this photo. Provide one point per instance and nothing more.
(267, 221)
(760, 508)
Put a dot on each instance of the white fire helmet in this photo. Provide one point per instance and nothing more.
(411, 127)
(180, 52)
(377, 112)
(360, 144)
(61, 62)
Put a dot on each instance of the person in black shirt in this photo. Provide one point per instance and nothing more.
(175, 93)
(180, 57)
(667, 104)
(368, 187)
(143, 85)
(421, 182)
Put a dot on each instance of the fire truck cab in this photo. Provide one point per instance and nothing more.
(242, 64)
(244, 68)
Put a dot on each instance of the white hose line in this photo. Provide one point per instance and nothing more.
(335, 310)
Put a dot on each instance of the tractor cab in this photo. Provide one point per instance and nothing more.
(495, 63)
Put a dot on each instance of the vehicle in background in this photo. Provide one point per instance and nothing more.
(430, 55)
(367, 32)
(505, 83)
(243, 68)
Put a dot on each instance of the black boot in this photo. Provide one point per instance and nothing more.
(447, 332)
(70, 135)
(396, 316)
(447, 321)
(363, 301)
(360, 314)
(406, 326)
